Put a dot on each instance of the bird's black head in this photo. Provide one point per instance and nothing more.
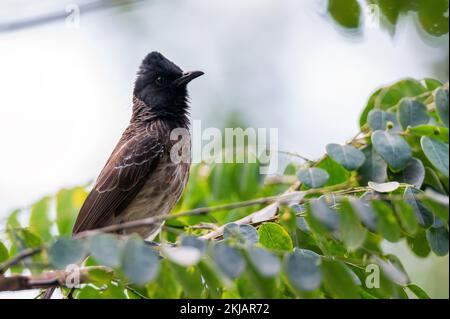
(161, 85)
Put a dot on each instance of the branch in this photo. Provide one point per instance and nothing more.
(264, 214)
(304, 158)
(45, 280)
(18, 258)
(89, 7)
(283, 179)
(287, 198)
(284, 198)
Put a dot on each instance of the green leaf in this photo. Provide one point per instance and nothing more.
(433, 16)
(437, 153)
(346, 13)
(365, 213)
(114, 292)
(391, 95)
(337, 173)
(388, 187)
(263, 286)
(66, 251)
(88, 292)
(196, 194)
(412, 174)
(437, 203)
(18, 268)
(139, 262)
(369, 107)
(432, 179)
(40, 222)
(182, 255)
(423, 215)
(378, 120)
(438, 132)
(338, 280)
(248, 178)
(221, 181)
(165, 286)
(419, 292)
(313, 177)
(193, 241)
(348, 156)
(235, 179)
(4, 255)
(393, 148)
(406, 216)
(419, 244)
(244, 234)
(387, 224)
(252, 285)
(13, 222)
(264, 262)
(391, 10)
(274, 237)
(212, 278)
(68, 203)
(229, 260)
(325, 215)
(105, 250)
(438, 240)
(392, 268)
(100, 276)
(302, 268)
(302, 224)
(352, 233)
(22, 239)
(374, 168)
(441, 100)
(431, 84)
(412, 113)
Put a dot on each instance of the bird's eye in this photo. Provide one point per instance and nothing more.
(160, 80)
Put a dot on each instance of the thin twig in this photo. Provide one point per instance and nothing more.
(62, 14)
(294, 154)
(134, 291)
(45, 280)
(283, 179)
(287, 197)
(18, 258)
(267, 212)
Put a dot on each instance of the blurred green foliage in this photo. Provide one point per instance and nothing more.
(432, 15)
(391, 182)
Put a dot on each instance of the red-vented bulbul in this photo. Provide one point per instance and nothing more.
(139, 179)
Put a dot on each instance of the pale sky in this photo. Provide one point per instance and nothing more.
(65, 93)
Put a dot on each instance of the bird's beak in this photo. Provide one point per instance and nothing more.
(187, 77)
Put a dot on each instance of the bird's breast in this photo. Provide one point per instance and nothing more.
(159, 194)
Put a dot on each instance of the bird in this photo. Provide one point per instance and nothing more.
(140, 179)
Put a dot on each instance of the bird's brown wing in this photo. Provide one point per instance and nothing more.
(120, 180)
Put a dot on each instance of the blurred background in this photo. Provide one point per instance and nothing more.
(303, 67)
